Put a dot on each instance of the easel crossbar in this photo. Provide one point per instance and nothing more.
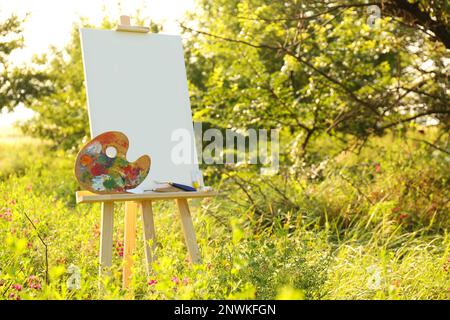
(89, 197)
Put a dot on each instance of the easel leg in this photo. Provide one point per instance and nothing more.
(131, 209)
(106, 235)
(149, 233)
(188, 230)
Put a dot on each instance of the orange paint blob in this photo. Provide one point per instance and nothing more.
(85, 160)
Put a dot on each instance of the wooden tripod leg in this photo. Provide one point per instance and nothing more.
(149, 233)
(131, 209)
(106, 236)
(188, 230)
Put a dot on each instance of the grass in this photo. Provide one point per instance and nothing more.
(351, 231)
(15, 151)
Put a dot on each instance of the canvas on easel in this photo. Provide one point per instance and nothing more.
(136, 84)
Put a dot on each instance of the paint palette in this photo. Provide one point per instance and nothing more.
(102, 167)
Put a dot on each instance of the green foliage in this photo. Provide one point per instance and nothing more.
(432, 16)
(17, 84)
(312, 69)
(62, 116)
(398, 184)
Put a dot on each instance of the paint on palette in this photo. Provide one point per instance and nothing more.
(102, 171)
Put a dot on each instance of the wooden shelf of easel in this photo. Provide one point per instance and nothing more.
(89, 197)
(133, 204)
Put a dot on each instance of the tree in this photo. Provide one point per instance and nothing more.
(17, 84)
(61, 116)
(314, 69)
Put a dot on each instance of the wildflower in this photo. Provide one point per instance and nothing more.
(34, 283)
(7, 214)
(377, 168)
(96, 230)
(119, 248)
(152, 282)
(176, 280)
(13, 296)
(186, 281)
(396, 283)
(37, 286)
(403, 216)
(17, 287)
(61, 260)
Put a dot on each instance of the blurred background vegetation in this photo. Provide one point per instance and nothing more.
(360, 206)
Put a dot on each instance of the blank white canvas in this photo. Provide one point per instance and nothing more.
(136, 83)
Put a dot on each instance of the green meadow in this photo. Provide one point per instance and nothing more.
(359, 207)
(369, 226)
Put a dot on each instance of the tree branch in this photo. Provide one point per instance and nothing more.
(311, 17)
(298, 58)
(419, 115)
(431, 145)
(412, 13)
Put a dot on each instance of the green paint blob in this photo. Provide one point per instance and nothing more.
(110, 184)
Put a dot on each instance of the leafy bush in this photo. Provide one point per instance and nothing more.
(403, 183)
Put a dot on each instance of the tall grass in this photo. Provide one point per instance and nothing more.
(17, 151)
(348, 231)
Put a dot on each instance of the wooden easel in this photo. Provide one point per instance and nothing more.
(139, 202)
(134, 203)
